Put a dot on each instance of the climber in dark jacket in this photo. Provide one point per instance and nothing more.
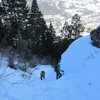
(42, 75)
(57, 70)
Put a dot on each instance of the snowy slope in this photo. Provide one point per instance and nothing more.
(81, 80)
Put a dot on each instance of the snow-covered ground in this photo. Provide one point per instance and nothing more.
(81, 80)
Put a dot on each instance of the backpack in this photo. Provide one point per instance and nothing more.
(56, 68)
(42, 73)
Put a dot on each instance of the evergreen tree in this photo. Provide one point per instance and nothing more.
(1, 31)
(15, 24)
(1, 25)
(73, 30)
(17, 11)
(67, 31)
(36, 28)
(2, 14)
(8, 20)
(77, 26)
(49, 39)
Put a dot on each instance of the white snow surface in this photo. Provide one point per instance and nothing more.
(81, 79)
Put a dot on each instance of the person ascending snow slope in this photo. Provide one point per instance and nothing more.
(42, 75)
(57, 70)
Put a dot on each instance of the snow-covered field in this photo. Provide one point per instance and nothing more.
(81, 80)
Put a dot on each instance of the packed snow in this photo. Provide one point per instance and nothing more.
(81, 79)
